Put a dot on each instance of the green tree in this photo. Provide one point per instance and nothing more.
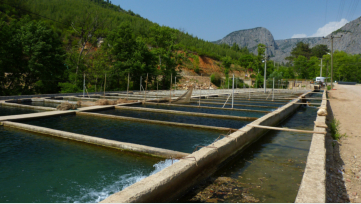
(131, 55)
(319, 50)
(226, 62)
(301, 49)
(300, 66)
(35, 58)
(235, 47)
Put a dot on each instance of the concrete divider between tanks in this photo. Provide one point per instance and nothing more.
(141, 149)
(28, 106)
(313, 184)
(173, 181)
(186, 113)
(35, 115)
(156, 121)
(239, 105)
(209, 107)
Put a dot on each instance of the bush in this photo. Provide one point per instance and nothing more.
(253, 76)
(216, 79)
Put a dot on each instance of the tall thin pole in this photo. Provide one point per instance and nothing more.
(273, 88)
(170, 89)
(331, 62)
(265, 69)
(332, 37)
(140, 84)
(210, 82)
(105, 82)
(146, 86)
(321, 69)
(128, 86)
(232, 90)
(175, 84)
(84, 86)
(200, 94)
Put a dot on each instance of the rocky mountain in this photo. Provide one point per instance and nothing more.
(251, 38)
(280, 49)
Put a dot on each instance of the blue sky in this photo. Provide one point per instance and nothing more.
(213, 19)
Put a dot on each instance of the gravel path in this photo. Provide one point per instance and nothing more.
(345, 102)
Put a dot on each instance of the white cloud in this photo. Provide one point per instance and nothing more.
(325, 30)
(329, 28)
(299, 36)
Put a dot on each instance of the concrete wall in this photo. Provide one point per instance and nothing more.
(313, 185)
(176, 179)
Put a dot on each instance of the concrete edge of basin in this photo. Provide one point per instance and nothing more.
(173, 181)
(130, 147)
(28, 106)
(313, 184)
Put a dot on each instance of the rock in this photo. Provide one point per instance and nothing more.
(322, 112)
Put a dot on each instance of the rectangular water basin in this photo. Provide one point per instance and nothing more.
(42, 169)
(228, 123)
(270, 170)
(8, 110)
(202, 110)
(161, 136)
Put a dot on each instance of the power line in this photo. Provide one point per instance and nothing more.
(326, 13)
(354, 9)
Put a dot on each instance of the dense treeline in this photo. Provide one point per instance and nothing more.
(50, 46)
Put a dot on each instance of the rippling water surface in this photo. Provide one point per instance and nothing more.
(38, 168)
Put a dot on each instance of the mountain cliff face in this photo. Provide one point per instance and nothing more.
(280, 49)
(251, 38)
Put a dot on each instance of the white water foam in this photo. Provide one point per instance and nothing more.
(90, 195)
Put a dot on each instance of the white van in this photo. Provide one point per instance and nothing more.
(320, 79)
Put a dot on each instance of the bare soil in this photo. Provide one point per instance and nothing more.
(344, 173)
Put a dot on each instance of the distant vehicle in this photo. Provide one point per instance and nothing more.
(320, 79)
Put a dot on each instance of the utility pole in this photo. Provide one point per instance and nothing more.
(332, 37)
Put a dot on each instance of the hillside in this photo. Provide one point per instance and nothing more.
(280, 49)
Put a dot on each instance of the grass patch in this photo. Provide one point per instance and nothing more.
(329, 87)
(334, 129)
